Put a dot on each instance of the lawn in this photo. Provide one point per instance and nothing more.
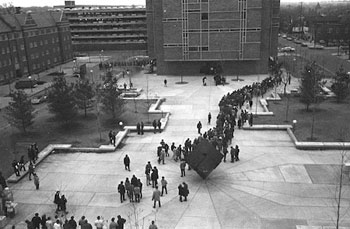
(331, 119)
(84, 132)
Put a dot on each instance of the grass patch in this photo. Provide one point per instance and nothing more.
(331, 119)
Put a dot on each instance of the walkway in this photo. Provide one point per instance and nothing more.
(273, 186)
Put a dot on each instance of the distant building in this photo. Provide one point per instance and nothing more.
(31, 43)
(330, 30)
(186, 36)
(97, 27)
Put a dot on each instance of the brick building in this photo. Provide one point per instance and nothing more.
(97, 27)
(31, 43)
(238, 35)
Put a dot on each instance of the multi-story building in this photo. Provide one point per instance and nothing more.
(330, 30)
(238, 35)
(106, 27)
(31, 43)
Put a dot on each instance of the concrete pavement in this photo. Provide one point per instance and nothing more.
(273, 185)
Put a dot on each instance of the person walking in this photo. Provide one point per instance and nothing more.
(250, 120)
(142, 126)
(15, 166)
(165, 82)
(121, 190)
(152, 226)
(36, 181)
(31, 170)
(209, 118)
(182, 168)
(154, 124)
(57, 199)
(127, 162)
(236, 153)
(159, 124)
(63, 203)
(154, 177)
(185, 190)
(162, 156)
(110, 136)
(21, 164)
(199, 127)
(137, 194)
(232, 152)
(164, 184)
(181, 191)
(138, 128)
(156, 197)
(43, 221)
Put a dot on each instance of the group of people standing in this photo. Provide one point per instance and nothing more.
(133, 189)
(61, 202)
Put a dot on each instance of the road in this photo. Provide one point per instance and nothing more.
(324, 57)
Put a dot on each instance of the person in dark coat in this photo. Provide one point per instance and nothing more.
(86, 225)
(63, 203)
(36, 221)
(31, 170)
(72, 223)
(154, 124)
(138, 128)
(43, 222)
(2, 181)
(127, 162)
(159, 124)
(209, 118)
(142, 126)
(121, 190)
(186, 191)
(181, 191)
(121, 221)
(154, 177)
(236, 153)
(250, 120)
(110, 136)
(199, 127)
(57, 201)
(21, 164)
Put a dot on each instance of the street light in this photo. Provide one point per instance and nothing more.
(31, 83)
(92, 75)
(294, 125)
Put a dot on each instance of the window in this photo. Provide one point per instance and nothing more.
(10, 62)
(41, 43)
(14, 48)
(35, 44)
(2, 50)
(22, 46)
(46, 42)
(193, 49)
(30, 45)
(32, 56)
(24, 58)
(205, 16)
(204, 48)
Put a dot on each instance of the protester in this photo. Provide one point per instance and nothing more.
(156, 197)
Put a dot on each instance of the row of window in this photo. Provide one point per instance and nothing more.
(223, 30)
(44, 31)
(7, 75)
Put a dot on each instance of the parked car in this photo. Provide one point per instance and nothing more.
(297, 41)
(316, 47)
(38, 99)
(289, 38)
(287, 49)
(304, 44)
(284, 36)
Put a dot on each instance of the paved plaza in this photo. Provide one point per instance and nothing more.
(273, 186)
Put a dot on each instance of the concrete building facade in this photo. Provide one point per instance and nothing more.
(238, 35)
(32, 43)
(98, 27)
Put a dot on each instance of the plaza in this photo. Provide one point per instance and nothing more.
(274, 185)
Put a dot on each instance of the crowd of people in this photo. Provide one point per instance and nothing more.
(62, 222)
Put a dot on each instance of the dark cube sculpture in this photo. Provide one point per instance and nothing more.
(204, 158)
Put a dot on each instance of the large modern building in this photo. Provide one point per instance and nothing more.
(186, 35)
(31, 43)
(98, 27)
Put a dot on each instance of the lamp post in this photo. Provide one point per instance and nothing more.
(92, 75)
(294, 125)
(31, 83)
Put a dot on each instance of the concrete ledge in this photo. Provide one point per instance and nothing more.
(154, 108)
(41, 156)
(264, 104)
(120, 136)
(267, 127)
